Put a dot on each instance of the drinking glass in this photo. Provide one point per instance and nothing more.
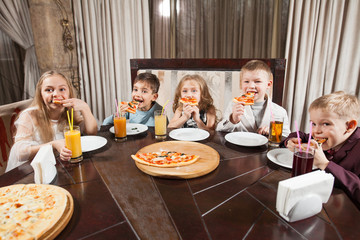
(73, 142)
(160, 125)
(120, 127)
(275, 131)
(302, 161)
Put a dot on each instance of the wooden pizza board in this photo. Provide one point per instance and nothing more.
(208, 161)
(63, 221)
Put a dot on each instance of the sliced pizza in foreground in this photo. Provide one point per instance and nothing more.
(165, 159)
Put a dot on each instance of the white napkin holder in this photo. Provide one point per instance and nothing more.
(44, 165)
(302, 196)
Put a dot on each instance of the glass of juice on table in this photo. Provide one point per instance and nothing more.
(73, 142)
(275, 131)
(302, 161)
(120, 126)
(160, 125)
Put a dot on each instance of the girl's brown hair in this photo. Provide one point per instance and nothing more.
(42, 112)
(206, 101)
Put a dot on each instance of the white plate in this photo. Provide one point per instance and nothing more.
(90, 143)
(246, 139)
(189, 134)
(132, 128)
(282, 157)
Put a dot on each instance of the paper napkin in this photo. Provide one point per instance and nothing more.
(44, 165)
(302, 196)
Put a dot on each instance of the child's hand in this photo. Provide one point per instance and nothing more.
(187, 109)
(237, 112)
(291, 143)
(77, 104)
(320, 159)
(59, 145)
(123, 106)
(195, 113)
(65, 154)
(263, 130)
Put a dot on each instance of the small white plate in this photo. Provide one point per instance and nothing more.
(189, 134)
(282, 157)
(133, 128)
(246, 139)
(90, 143)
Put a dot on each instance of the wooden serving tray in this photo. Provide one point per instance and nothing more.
(63, 221)
(208, 161)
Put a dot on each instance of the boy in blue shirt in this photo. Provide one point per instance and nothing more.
(145, 92)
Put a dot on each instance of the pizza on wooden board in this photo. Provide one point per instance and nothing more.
(29, 211)
(132, 106)
(190, 101)
(165, 159)
(246, 99)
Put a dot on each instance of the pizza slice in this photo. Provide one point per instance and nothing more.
(246, 99)
(133, 105)
(57, 100)
(165, 159)
(190, 101)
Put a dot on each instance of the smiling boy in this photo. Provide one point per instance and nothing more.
(255, 77)
(145, 92)
(334, 118)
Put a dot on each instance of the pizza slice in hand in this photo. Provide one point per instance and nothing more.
(246, 99)
(190, 101)
(133, 105)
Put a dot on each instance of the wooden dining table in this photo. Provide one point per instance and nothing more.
(114, 199)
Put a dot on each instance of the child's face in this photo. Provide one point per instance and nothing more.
(143, 94)
(191, 88)
(255, 81)
(54, 87)
(328, 125)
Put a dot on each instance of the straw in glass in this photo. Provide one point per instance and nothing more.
(163, 109)
(298, 135)
(117, 108)
(307, 148)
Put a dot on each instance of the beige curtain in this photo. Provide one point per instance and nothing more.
(15, 22)
(323, 53)
(109, 33)
(219, 29)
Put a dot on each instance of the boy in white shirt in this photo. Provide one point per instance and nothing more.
(255, 77)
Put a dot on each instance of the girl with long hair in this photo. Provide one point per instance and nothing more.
(44, 121)
(202, 115)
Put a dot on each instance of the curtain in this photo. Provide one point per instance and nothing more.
(109, 33)
(323, 53)
(15, 22)
(219, 29)
(11, 71)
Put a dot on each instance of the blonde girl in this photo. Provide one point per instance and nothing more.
(201, 116)
(43, 122)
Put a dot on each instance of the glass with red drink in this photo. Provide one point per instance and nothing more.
(302, 161)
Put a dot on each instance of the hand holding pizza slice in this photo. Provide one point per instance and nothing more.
(132, 106)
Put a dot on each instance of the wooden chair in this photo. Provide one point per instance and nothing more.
(223, 74)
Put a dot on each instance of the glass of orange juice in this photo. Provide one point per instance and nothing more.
(73, 142)
(120, 127)
(160, 125)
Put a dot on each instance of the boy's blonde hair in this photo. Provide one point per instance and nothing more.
(255, 65)
(206, 101)
(344, 105)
